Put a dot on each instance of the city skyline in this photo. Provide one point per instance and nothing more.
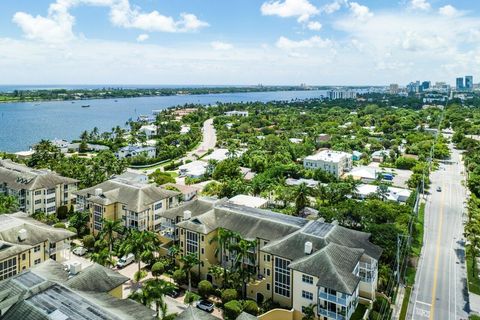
(335, 42)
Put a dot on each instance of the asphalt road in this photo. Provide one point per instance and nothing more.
(440, 290)
(209, 139)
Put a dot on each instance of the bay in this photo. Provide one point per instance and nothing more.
(24, 124)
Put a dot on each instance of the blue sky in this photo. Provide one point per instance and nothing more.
(318, 42)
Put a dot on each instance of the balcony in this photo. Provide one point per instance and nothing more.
(333, 298)
(58, 248)
(331, 314)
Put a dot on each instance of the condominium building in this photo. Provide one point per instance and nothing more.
(236, 113)
(295, 262)
(138, 204)
(334, 162)
(36, 190)
(26, 242)
(48, 292)
(341, 94)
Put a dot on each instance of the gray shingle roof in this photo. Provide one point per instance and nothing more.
(196, 207)
(18, 176)
(246, 316)
(136, 196)
(333, 265)
(37, 232)
(96, 278)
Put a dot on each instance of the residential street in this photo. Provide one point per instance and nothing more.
(440, 286)
(209, 140)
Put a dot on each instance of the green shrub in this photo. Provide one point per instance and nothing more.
(205, 288)
(158, 269)
(190, 297)
(59, 225)
(232, 309)
(62, 212)
(251, 307)
(229, 295)
(72, 229)
(179, 276)
(88, 241)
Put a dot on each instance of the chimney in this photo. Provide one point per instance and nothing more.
(308, 247)
(187, 214)
(98, 192)
(22, 235)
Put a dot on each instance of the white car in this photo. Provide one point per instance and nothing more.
(125, 261)
(79, 251)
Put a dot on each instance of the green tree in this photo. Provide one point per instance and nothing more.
(8, 204)
(79, 221)
(158, 269)
(301, 194)
(107, 234)
(160, 177)
(142, 244)
(232, 309)
(188, 262)
(205, 288)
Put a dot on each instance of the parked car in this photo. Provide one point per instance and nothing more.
(174, 293)
(205, 305)
(439, 189)
(79, 251)
(125, 260)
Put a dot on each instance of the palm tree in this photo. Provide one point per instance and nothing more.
(188, 262)
(301, 197)
(382, 191)
(173, 252)
(245, 252)
(223, 239)
(142, 244)
(102, 257)
(8, 204)
(309, 312)
(79, 221)
(156, 289)
(109, 227)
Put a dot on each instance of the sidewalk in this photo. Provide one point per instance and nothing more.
(397, 307)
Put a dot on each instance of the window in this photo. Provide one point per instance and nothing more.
(192, 242)
(38, 192)
(282, 277)
(36, 249)
(50, 200)
(50, 191)
(268, 258)
(268, 272)
(51, 209)
(37, 261)
(97, 217)
(8, 268)
(24, 256)
(38, 201)
(307, 279)
(158, 206)
(268, 286)
(203, 251)
(307, 295)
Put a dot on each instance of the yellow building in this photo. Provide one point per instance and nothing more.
(296, 262)
(25, 242)
(36, 190)
(138, 204)
(48, 291)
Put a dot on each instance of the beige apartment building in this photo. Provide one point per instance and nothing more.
(26, 242)
(37, 190)
(138, 204)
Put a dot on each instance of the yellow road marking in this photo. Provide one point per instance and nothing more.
(437, 256)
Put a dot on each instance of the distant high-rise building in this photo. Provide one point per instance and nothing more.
(394, 88)
(341, 94)
(413, 87)
(460, 85)
(425, 85)
(469, 83)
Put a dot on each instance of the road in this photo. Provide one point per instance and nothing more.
(440, 290)
(209, 140)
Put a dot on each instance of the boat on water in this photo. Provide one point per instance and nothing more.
(86, 106)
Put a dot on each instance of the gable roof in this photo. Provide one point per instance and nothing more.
(96, 278)
(193, 313)
(18, 176)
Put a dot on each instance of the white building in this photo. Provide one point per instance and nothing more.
(341, 94)
(236, 113)
(393, 194)
(334, 162)
(184, 129)
(194, 169)
(134, 151)
(149, 130)
(249, 201)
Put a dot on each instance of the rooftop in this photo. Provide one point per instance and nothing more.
(249, 201)
(329, 156)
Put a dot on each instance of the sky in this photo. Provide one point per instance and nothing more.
(238, 42)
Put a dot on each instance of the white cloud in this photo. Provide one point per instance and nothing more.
(219, 45)
(420, 4)
(142, 37)
(301, 9)
(314, 25)
(313, 42)
(449, 11)
(57, 26)
(359, 11)
(333, 6)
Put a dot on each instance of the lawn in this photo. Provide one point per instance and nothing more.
(473, 280)
(359, 312)
(474, 317)
(418, 240)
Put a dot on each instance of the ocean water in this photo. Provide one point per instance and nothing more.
(24, 124)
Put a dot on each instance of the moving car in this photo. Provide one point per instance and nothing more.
(125, 260)
(205, 305)
(439, 189)
(79, 251)
(174, 293)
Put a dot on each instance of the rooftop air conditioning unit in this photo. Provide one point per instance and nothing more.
(98, 192)
(308, 247)
(22, 235)
(75, 268)
(187, 214)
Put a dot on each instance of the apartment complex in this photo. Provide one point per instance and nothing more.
(48, 292)
(36, 190)
(138, 204)
(341, 94)
(26, 242)
(334, 162)
(296, 262)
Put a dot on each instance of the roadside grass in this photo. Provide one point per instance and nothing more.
(359, 312)
(472, 275)
(406, 299)
(174, 174)
(474, 317)
(419, 226)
